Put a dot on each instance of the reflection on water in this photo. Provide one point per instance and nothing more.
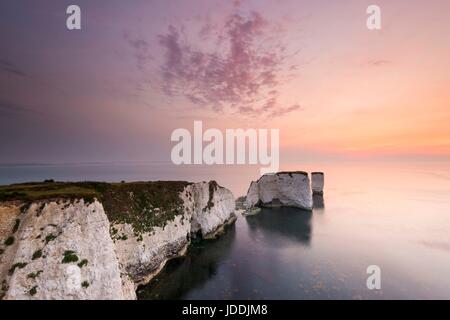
(318, 202)
(231, 268)
(290, 223)
(184, 274)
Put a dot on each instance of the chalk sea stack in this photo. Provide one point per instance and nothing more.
(287, 189)
(93, 240)
(317, 182)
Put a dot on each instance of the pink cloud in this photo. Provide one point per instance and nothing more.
(242, 73)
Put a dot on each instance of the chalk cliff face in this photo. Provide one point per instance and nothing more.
(49, 236)
(212, 208)
(290, 189)
(317, 182)
(206, 209)
(142, 256)
(79, 249)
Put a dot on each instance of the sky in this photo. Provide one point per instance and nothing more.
(115, 90)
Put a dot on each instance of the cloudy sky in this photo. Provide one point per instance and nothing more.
(137, 70)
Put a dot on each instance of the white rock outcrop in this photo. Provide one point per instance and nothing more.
(69, 249)
(50, 231)
(207, 208)
(212, 208)
(317, 182)
(142, 256)
(290, 189)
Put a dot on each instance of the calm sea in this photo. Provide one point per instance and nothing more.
(395, 216)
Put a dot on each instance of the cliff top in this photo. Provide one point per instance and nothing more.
(143, 204)
(48, 190)
(290, 173)
(293, 172)
(32, 191)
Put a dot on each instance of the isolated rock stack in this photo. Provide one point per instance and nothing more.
(317, 182)
(285, 189)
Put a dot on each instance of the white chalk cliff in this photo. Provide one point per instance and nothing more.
(73, 249)
(290, 189)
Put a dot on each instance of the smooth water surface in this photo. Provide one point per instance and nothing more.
(394, 216)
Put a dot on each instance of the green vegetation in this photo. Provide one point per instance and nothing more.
(82, 263)
(240, 203)
(113, 231)
(116, 236)
(16, 226)
(290, 173)
(3, 289)
(85, 284)
(211, 188)
(39, 210)
(122, 237)
(9, 241)
(37, 254)
(24, 208)
(145, 205)
(136, 203)
(34, 275)
(49, 238)
(33, 291)
(69, 256)
(19, 265)
(43, 191)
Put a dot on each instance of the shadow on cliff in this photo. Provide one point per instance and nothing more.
(290, 224)
(182, 275)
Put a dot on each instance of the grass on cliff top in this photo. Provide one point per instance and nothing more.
(290, 173)
(142, 204)
(45, 190)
